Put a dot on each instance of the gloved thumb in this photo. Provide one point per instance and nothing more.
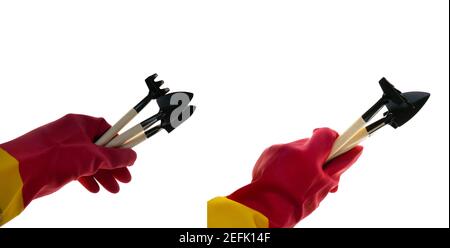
(340, 164)
(113, 158)
(321, 142)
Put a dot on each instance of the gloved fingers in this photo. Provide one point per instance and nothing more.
(122, 175)
(334, 189)
(113, 158)
(107, 180)
(321, 143)
(340, 164)
(89, 183)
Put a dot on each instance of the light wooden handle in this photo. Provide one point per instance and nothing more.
(123, 138)
(357, 138)
(343, 140)
(135, 141)
(115, 129)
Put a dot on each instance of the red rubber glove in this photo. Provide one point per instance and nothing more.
(62, 151)
(290, 180)
(108, 178)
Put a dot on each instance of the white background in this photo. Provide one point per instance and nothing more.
(262, 73)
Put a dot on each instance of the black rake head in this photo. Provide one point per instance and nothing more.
(154, 87)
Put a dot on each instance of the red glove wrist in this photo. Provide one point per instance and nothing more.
(290, 180)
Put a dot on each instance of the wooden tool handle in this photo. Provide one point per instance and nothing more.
(357, 138)
(346, 137)
(136, 140)
(115, 129)
(123, 138)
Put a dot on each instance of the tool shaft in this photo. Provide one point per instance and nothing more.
(346, 137)
(135, 141)
(369, 114)
(357, 138)
(109, 135)
(126, 136)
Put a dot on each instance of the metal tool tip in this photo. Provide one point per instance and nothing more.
(192, 109)
(152, 77)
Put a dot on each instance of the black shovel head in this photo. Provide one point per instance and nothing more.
(174, 99)
(154, 87)
(403, 112)
(175, 119)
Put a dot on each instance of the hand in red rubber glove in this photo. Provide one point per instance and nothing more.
(290, 180)
(62, 151)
